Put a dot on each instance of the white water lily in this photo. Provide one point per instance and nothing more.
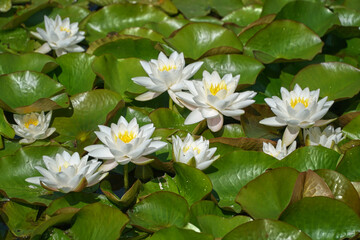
(195, 153)
(33, 126)
(214, 97)
(329, 138)
(165, 74)
(123, 143)
(68, 173)
(60, 36)
(280, 151)
(297, 109)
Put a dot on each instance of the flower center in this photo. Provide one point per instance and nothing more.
(31, 121)
(167, 68)
(65, 165)
(126, 136)
(216, 87)
(65, 29)
(295, 101)
(185, 149)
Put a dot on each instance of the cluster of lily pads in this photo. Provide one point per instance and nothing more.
(180, 119)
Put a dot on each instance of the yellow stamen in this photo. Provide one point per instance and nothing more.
(295, 101)
(126, 136)
(194, 148)
(66, 165)
(167, 68)
(215, 88)
(65, 29)
(31, 121)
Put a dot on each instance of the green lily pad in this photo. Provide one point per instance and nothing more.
(165, 183)
(166, 118)
(20, 217)
(220, 226)
(75, 200)
(120, 16)
(5, 5)
(266, 229)
(254, 144)
(275, 187)
(249, 31)
(117, 74)
(192, 183)
(5, 128)
(350, 165)
(143, 33)
(313, 14)
(30, 61)
(157, 211)
(342, 188)
(16, 40)
(328, 78)
(310, 157)
(90, 110)
(98, 221)
(20, 166)
(210, 39)
(25, 92)
(128, 198)
(233, 171)
(179, 234)
(248, 67)
(167, 26)
(348, 17)
(352, 129)
(228, 131)
(76, 75)
(272, 42)
(9, 147)
(323, 218)
(204, 207)
(244, 16)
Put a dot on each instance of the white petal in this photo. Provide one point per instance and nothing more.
(45, 48)
(289, 135)
(273, 121)
(194, 117)
(216, 123)
(147, 96)
(108, 165)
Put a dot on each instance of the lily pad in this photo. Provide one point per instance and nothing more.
(349, 165)
(228, 131)
(272, 42)
(25, 92)
(143, 215)
(244, 16)
(5, 128)
(166, 118)
(209, 39)
(179, 234)
(334, 79)
(233, 171)
(323, 218)
(96, 221)
(20, 166)
(128, 198)
(204, 208)
(352, 129)
(266, 229)
(248, 67)
(310, 157)
(275, 187)
(117, 17)
(76, 75)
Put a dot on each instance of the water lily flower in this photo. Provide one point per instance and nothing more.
(60, 36)
(68, 173)
(195, 153)
(33, 126)
(123, 143)
(297, 109)
(165, 74)
(214, 97)
(329, 138)
(280, 151)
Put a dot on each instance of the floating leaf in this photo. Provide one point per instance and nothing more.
(323, 218)
(128, 198)
(272, 42)
(228, 131)
(120, 16)
(342, 188)
(269, 194)
(5, 128)
(350, 165)
(208, 38)
(266, 229)
(231, 172)
(98, 221)
(248, 67)
(178, 233)
(255, 144)
(352, 129)
(192, 183)
(244, 16)
(143, 215)
(204, 207)
(334, 79)
(311, 157)
(166, 118)
(76, 75)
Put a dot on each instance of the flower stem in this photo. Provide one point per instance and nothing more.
(171, 103)
(126, 177)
